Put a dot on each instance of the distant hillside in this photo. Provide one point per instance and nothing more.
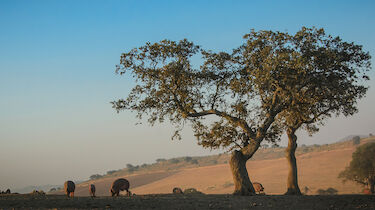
(45, 188)
(264, 153)
(318, 165)
(350, 137)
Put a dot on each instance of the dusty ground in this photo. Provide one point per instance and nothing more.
(170, 201)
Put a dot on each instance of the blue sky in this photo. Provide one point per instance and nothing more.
(57, 62)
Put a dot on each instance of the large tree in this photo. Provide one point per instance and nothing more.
(333, 72)
(231, 100)
(362, 166)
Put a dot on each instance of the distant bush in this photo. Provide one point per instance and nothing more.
(316, 145)
(174, 160)
(195, 161)
(329, 191)
(188, 159)
(160, 160)
(131, 168)
(52, 189)
(356, 140)
(95, 176)
(111, 172)
(144, 165)
(214, 162)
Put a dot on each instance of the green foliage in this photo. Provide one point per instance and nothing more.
(362, 165)
(326, 67)
(293, 78)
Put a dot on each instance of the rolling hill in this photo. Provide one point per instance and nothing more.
(318, 165)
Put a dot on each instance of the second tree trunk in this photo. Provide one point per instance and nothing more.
(292, 182)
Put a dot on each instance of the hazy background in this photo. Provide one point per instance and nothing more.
(57, 63)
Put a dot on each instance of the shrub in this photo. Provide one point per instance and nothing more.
(95, 176)
(195, 161)
(174, 160)
(329, 191)
(188, 159)
(160, 160)
(356, 140)
(214, 162)
(111, 172)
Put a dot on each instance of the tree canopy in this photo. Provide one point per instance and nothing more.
(362, 165)
(233, 100)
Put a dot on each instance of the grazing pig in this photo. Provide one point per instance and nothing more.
(92, 190)
(69, 187)
(177, 190)
(120, 185)
(258, 187)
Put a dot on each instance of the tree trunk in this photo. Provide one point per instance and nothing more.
(292, 182)
(242, 183)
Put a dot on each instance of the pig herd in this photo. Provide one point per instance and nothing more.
(117, 186)
(123, 184)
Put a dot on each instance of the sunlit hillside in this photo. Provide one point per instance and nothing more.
(319, 166)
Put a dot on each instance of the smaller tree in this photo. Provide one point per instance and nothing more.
(362, 166)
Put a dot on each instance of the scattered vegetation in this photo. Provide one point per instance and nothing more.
(222, 158)
(329, 191)
(95, 176)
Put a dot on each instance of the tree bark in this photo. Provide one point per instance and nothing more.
(292, 182)
(242, 183)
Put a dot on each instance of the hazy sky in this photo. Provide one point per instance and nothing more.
(57, 63)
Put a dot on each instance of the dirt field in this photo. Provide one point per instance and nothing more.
(316, 170)
(170, 201)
